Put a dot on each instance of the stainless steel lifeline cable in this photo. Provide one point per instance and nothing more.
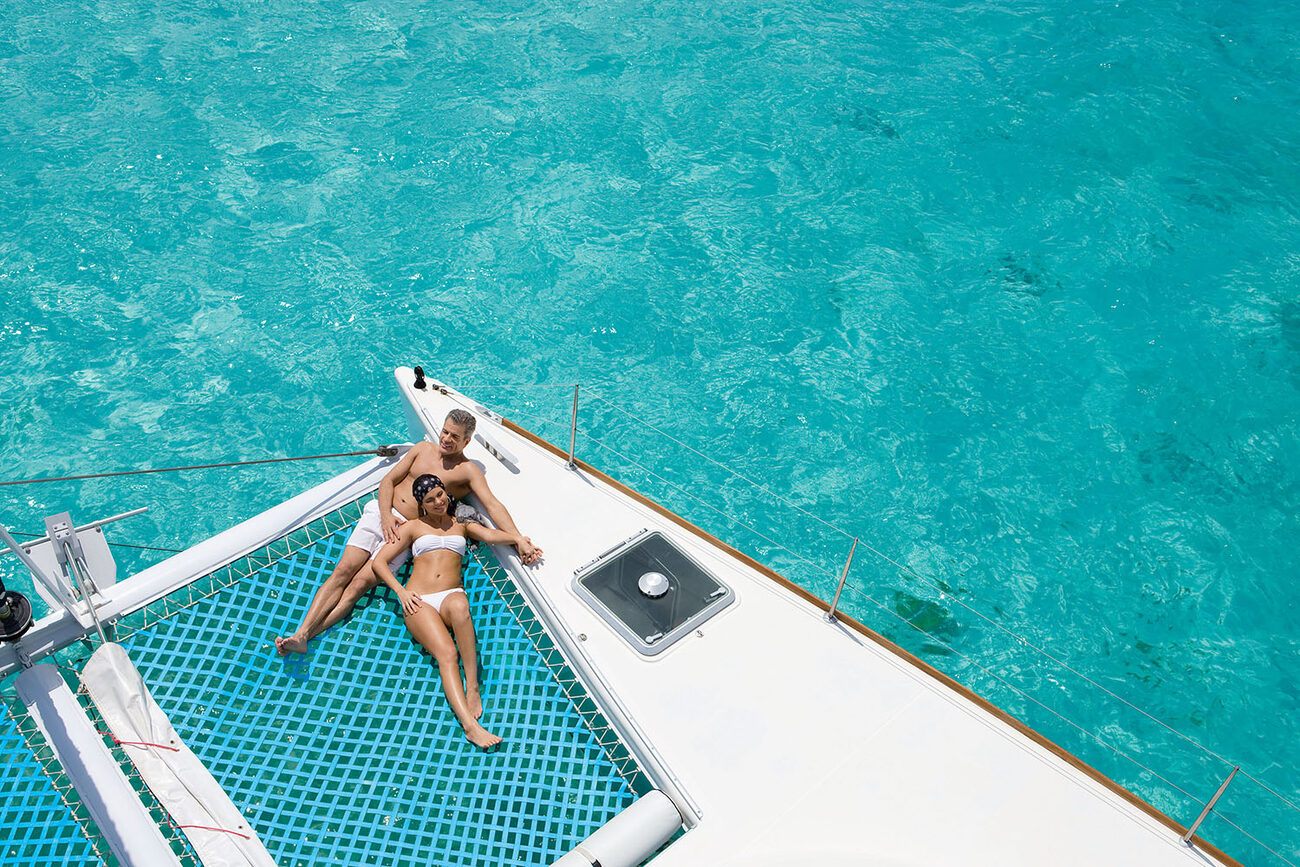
(110, 544)
(909, 571)
(946, 595)
(381, 451)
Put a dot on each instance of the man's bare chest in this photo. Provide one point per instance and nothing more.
(455, 478)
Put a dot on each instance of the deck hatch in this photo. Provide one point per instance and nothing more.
(625, 586)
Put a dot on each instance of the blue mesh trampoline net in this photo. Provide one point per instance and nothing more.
(350, 754)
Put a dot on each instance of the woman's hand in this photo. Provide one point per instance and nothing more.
(411, 603)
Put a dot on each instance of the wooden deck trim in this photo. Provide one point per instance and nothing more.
(1061, 753)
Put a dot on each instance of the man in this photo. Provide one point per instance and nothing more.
(353, 576)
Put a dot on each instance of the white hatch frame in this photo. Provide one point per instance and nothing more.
(650, 645)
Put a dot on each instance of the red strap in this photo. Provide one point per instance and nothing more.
(145, 744)
(222, 830)
(118, 740)
(123, 743)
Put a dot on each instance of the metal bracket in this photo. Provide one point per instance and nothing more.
(67, 548)
(620, 546)
(486, 412)
(70, 564)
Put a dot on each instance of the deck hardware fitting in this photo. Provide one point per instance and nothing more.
(573, 428)
(15, 615)
(844, 576)
(1191, 832)
(628, 541)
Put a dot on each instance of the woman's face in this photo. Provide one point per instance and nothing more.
(435, 502)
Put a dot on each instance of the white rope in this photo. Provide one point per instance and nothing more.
(567, 386)
(536, 420)
(464, 389)
(384, 451)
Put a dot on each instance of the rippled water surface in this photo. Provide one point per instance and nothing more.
(1010, 291)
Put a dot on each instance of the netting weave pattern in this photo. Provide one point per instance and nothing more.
(350, 754)
(36, 826)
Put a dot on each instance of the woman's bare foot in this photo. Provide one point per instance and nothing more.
(475, 702)
(481, 737)
(291, 644)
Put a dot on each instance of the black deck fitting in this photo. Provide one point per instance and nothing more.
(15, 615)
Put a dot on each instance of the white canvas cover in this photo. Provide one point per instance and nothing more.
(219, 833)
(105, 791)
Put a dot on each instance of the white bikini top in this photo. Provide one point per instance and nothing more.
(430, 542)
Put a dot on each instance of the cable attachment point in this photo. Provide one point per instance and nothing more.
(387, 451)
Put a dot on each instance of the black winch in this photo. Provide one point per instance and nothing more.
(15, 614)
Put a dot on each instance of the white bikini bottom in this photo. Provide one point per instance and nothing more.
(436, 599)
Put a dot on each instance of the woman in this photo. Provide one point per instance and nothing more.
(434, 601)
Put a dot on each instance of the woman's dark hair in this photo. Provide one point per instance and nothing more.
(421, 487)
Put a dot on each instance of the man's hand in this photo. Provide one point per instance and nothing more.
(528, 552)
(389, 525)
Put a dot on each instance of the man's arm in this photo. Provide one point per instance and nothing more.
(391, 478)
(528, 552)
(479, 487)
(480, 533)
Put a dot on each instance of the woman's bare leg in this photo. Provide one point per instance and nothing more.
(325, 600)
(428, 629)
(455, 613)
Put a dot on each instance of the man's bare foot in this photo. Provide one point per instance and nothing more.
(475, 703)
(481, 737)
(291, 644)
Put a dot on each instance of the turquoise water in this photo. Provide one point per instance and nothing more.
(1009, 291)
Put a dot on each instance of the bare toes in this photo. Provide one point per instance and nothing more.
(482, 738)
(292, 644)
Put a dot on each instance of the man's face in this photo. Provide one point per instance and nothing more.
(452, 439)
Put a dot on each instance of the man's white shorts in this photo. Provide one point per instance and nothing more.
(369, 535)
